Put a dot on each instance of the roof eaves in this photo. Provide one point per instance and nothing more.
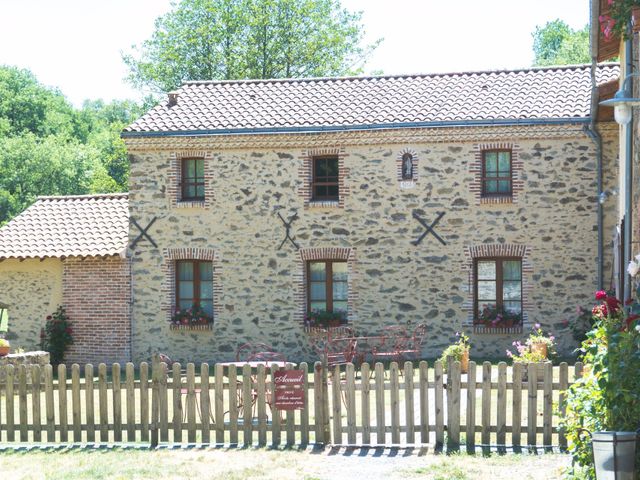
(367, 127)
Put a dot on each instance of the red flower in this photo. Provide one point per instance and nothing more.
(631, 319)
(606, 25)
(601, 295)
(613, 303)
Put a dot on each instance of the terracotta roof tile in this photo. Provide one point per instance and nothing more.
(550, 93)
(85, 225)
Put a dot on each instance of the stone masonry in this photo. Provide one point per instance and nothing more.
(258, 287)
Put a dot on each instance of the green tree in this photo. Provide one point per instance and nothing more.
(239, 39)
(558, 44)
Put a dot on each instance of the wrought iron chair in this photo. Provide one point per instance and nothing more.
(246, 350)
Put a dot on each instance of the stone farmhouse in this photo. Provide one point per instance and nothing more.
(386, 200)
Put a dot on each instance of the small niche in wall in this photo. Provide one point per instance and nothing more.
(407, 168)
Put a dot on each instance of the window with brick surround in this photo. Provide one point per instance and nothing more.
(194, 285)
(325, 184)
(327, 286)
(498, 288)
(496, 173)
(192, 179)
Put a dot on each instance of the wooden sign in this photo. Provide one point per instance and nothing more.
(289, 393)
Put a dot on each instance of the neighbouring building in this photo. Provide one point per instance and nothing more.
(394, 199)
(70, 251)
(387, 200)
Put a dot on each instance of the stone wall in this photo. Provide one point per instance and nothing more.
(260, 287)
(28, 359)
(32, 289)
(97, 293)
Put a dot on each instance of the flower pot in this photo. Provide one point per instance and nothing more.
(335, 323)
(614, 455)
(464, 362)
(4, 351)
(539, 348)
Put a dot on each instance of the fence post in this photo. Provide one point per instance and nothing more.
(155, 398)
(325, 405)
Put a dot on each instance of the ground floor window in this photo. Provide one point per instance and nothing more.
(498, 291)
(194, 286)
(327, 289)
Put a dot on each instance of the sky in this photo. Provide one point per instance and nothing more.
(76, 45)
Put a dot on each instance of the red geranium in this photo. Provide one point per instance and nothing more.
(601, 295)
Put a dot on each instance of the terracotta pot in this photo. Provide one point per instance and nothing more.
(540, 348)
(464, 362)
(508, 323)
(4, 351)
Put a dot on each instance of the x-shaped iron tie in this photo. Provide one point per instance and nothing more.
(287, 226)
(428, 228)
(143, 233)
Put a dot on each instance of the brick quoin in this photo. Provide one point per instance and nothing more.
(96, 294)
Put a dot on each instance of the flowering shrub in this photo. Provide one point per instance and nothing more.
(457, 349)
(322, 318)
(616, 21)
(607, 397)
(582, 324)
(524, 351)
(191, 316)
(492, 316)
(56, 335)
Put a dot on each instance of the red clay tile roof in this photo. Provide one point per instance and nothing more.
(539, 94)
(83, 225)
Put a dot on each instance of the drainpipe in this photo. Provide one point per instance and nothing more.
(592, 131)
(628, 139)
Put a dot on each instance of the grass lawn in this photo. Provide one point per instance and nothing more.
(243, 464)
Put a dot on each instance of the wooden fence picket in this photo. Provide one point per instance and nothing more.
(275, 413)
(337, 406)
(532, 407)
(423, 381)
(131, 402)
(408, 402)
(454, 412)
(35, 403)
(76, 412)
(89, 403)
(516, 405)
(22, 395)
(262, 405)
(439, 403)
(470, 430)
(9, 402)
(247, 406)
(304, 413)
(547, 405)
(564, 385)
(62, 402)
(290, 416)
(176, 395)
(351, 404)
(102, 399)
(219, 403)
(144, 402)
(233, 405)
(365, 406)
(205, 404)
(191, 403)
(117, 402)
(486, 404)
(318, 402)
(501, 416)
(48, 402)
(380, 409)
(163, 403)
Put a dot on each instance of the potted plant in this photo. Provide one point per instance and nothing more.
(494, 317)
(5, 347)
(195, 315)
(540, 343)
(324, 319)
(605, 401)
(458, 352)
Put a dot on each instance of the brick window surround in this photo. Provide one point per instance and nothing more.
(475, 252)
(300, 278)
(174, 179)
(170, 257)
(402, 182)
(476, 169)
(305, 177)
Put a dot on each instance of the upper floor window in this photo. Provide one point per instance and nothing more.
(407, 166)
(498, 290)
(328, 286)
(325, 182)
(496, 173)
(194, 285)
(193, 179)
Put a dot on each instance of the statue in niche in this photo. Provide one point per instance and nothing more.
(407, 166)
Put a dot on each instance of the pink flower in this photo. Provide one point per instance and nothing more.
(601, 295)
(536, 326)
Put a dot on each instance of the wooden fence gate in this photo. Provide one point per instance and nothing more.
(369, 406)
